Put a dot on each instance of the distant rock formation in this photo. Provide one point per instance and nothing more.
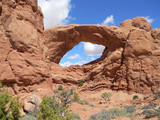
(29, 56)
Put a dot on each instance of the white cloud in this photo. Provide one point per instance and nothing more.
(82, 62)
(92, 58)
(150, 20)
(56, 12)
(68, 63)
(74, 56)
(108, 20)
(93, 49)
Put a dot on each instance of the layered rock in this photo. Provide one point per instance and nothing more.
(22, 49)
(29, 56)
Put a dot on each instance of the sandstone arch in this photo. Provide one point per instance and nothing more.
(29, 55)
(60, 40)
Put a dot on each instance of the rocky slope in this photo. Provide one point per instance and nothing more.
(29, 56)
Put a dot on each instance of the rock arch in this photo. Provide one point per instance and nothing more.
(29, 55)
(60, 40)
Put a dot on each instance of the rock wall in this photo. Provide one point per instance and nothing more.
(22, 49)
(29, 56)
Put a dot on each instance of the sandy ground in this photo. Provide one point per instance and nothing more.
(118, 99)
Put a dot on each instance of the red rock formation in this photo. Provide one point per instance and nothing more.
(29, 56)
(22, 50)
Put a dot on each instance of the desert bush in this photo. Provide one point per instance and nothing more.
(151, 110)
(65, 96)
(1, 85)
(106, 96)
(117, 112)
(157, 94)
(150, 113)
(151, 105)
(77, 99)
(130, 109)
(9, 109)
(60, 88)
(91, 105)
(50, 109)
(103, 115)
(135, 97)
(86, 102)
(28, 117)
(108, 115)
(56, 107)
(80, 83)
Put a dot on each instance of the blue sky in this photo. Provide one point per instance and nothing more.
(108, 12)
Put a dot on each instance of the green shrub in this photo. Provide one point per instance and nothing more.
(60, 88)
(106, 96)
(108, 115)
(77, 99)
(9, 109)
(117, 112)
(149, 106)
(14, 108)
(103, 115)
(157, 94)
(1, 85)
(150, 113)
(4, 99)
(151, 110)
(65, 96)
(80, 83)
(86, 102)
(130, 109)
(135, 97)
(91, 105)
(50, 109)
(28, 117)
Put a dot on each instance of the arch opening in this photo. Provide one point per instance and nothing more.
(83, 53)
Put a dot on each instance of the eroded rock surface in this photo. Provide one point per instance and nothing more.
(29, 56)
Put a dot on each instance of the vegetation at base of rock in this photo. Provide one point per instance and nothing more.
(150, 113)
(151, 110)
(157, 94)
(28, 117)
(56, 107)
(80, 83)
(106, 96)
(149, 106)
(1, 85)
(91, 105)
(9, 107)
(110, 114)
(77, 99)
(65, 96)
(50, 109)
(86, 102)
(60, 88)
(130, 108)
(135, 97)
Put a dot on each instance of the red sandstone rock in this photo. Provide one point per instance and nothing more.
(29, 56)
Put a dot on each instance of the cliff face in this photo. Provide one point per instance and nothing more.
(29, 56)
(22, 49)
